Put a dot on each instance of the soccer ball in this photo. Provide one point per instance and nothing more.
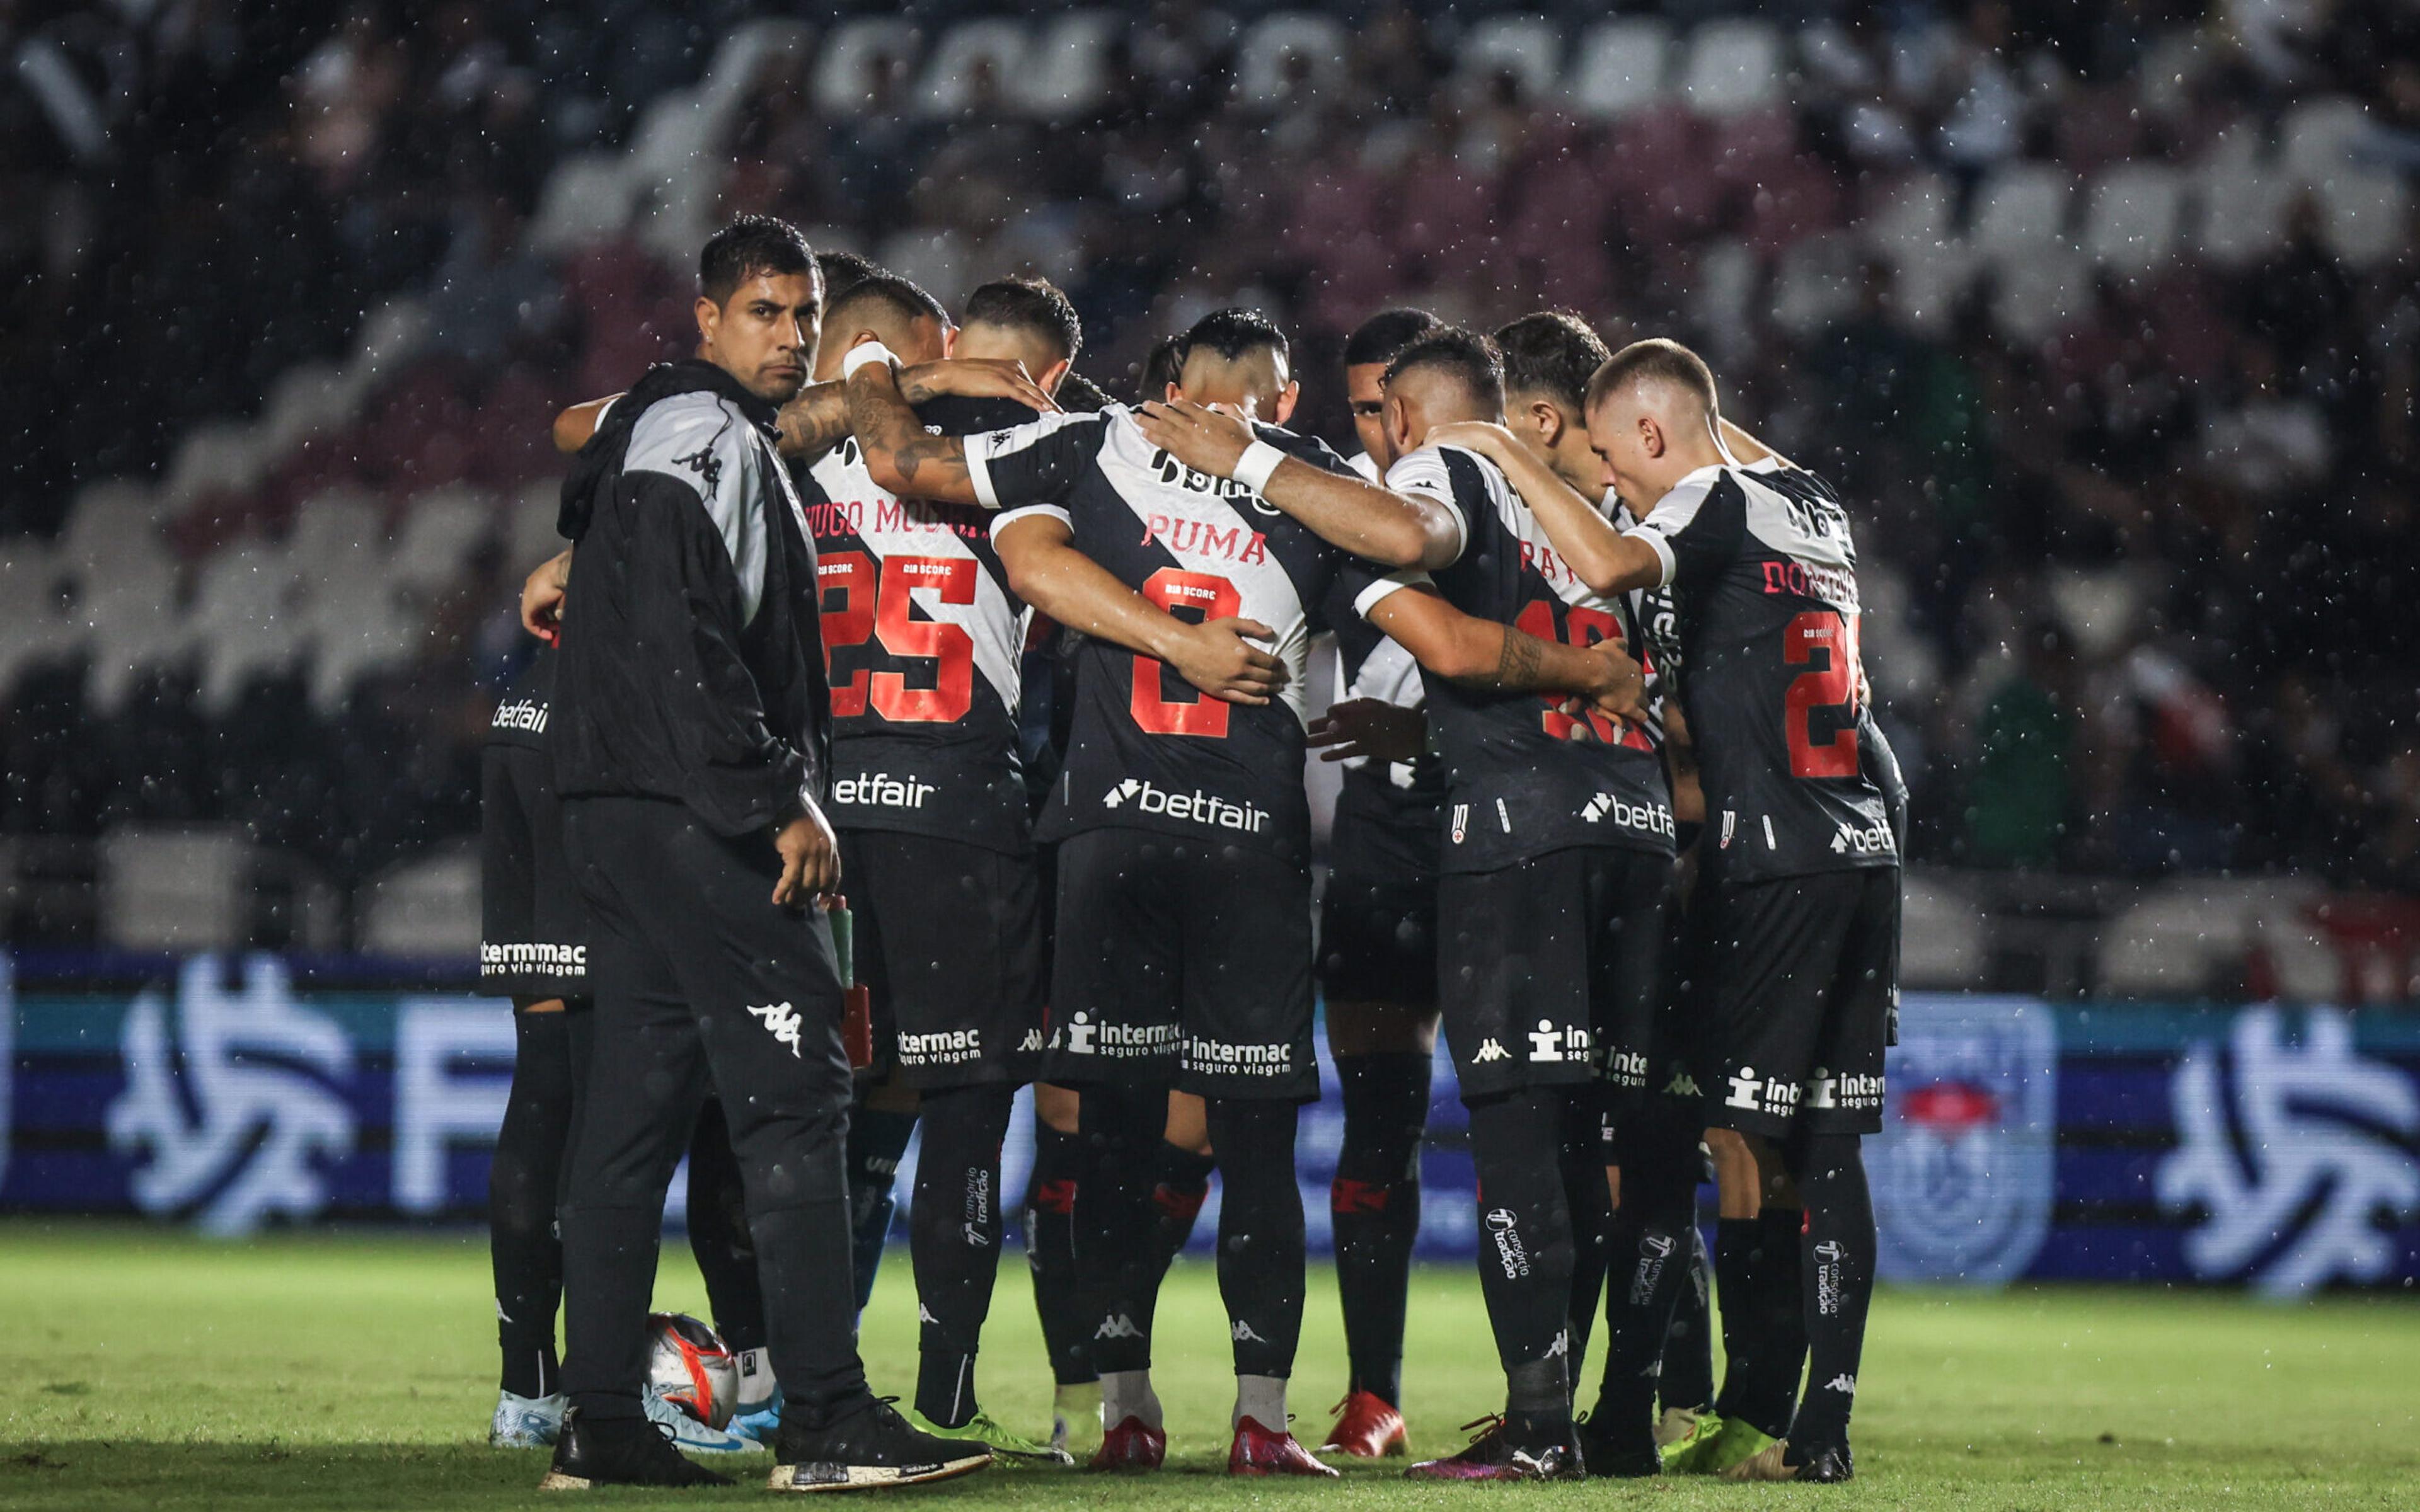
(691, 1366)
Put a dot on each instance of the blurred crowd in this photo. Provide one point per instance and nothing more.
(2139, 581)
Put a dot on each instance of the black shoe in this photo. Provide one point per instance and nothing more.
(1612, 1455)
(619, 1451)
(1828, 1467)
(870, 1446)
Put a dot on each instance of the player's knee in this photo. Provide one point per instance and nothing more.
(1188, 1124)
(1057, 1107)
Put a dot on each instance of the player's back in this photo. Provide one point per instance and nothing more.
(925, 638)
(1528, 778)
(1765, 575)
(1147, 749)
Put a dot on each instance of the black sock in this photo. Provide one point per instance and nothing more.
(1178, 1192)
(1261, 1251)
(1837, 1283)
(954, 1227)
(1375, 1202)
(523, 1247)
(1525, 1254)
(1651, 1264)
(1688, 1378)
(1051, 1253)
(1586, 1155)
(877, 1139)
(718, 1233)
(1117, 1274)
(1756, 1278)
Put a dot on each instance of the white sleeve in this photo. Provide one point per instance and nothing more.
(1376, 590)
(1424, 472)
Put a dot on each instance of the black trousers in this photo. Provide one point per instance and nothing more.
(701, 983)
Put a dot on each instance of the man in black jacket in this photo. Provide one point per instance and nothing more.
(692, 756)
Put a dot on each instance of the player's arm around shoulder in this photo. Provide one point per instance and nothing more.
(1488, 657)
(1607, 560)
(1367, 520)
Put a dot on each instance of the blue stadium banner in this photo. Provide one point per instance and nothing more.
(2262, 1146)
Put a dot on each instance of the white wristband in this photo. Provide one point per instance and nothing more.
(862, 353)
(1253, 468)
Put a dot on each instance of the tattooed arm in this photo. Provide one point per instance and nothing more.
(1491, 658)
(900, 455)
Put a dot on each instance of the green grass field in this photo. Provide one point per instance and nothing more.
(152, 1370)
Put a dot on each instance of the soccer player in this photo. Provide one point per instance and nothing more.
(1377, 970)
(1556, 868)
(1184, 952)
(693, 757)
(534, 947)
(1763, 565)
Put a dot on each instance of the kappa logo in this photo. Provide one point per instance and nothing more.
(1031, 1044)
(924, 1315)
(1874, 840)
(1549, 1044)
(783, 1021)
(1562, 1344)
(705, 465)
(1491, 1049)
(1244, 1334)
(1117, 1326)
(1844, 1383)
(1683, 1085)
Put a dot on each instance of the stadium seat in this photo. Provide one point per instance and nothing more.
(2042, 295)
(994, 45)
(1815, 283)
(2364, 215)
(2020, 214)
(1066, 69)
(1621, 68)
(2244, 199)
(2317, 137)
(438, 536)
(851, 51)
(1941, 935)
(1732, 66)
(180, 890)
(2186, 938)
(243, 618)
(2136, 210)
(426, 908)
(1528, 48)
(1261, 68)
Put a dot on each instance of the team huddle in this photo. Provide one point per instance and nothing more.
(1022, 672)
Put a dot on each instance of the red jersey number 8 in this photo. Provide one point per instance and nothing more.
(1174, 589)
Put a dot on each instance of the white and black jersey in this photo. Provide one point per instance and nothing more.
(1764, 578)
(1147, 750)
(925, 641)
(1521, 785)
(1386, 812)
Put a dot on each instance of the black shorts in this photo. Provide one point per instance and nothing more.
(532, 927)
(1183, 960)
(949, 948)
(1807, 975)
(1378, 940)
(1550, 971)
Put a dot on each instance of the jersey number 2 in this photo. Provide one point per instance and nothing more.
(873, 609)
(1834, 687)
(1174, 589)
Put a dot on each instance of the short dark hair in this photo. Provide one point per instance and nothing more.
(843, 269)
(887, 291)
(1230, 334)
(1656, 360)
(1076, 392)
(1162, 366)
(750, 246)
(1034, 306)
(1552, 353)
(1385, 333)
(1466, 356)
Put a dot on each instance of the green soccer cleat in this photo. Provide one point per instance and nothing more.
(1714, 1445)
(1007, 1447)
(1076, 1420)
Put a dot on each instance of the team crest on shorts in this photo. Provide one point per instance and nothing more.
(1963, 1170)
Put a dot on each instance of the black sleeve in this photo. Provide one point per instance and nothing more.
(683, 599)
(1035, 463)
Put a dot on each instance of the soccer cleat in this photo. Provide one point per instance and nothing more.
(1132, 1445)
(1259, 1451)
(525, 1422)
(1717, 1448)
(983, 1428)
(691, 1435)
(619, 1451)
(763, 1423)
(1076, 1420)
(1366, 1428)
(871, 1446)
(1492, 1456)
(1611, 1454)
(1829, 1467)
(1679, 1425)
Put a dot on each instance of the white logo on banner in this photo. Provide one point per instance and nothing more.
(253, 1069)
(2306, 1124)
(453, 1075)
(1965, 1170)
